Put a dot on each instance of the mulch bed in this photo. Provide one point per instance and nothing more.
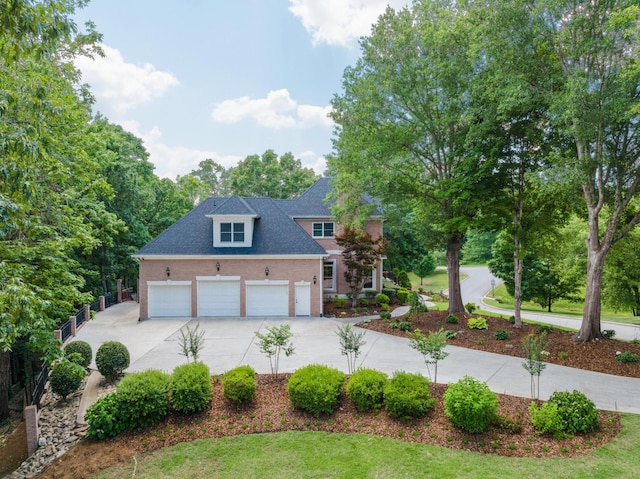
(272, 412)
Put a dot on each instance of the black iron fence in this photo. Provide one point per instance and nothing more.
(35, 389)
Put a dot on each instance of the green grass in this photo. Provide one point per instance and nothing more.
(435, 282)
(311, 454)
(561, 307)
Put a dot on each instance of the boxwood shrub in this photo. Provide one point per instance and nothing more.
(470, 404)
(190, 387)
(105, 418)
(112, 358)
(315, 388)
(403, 296)
(407, 395)
(366, 389)
(239, 385)
(83, 349)
(66, 377)
(143, 397)
(577, 412)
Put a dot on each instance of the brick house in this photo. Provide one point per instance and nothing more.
(243, 257)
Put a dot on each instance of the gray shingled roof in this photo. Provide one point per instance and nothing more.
(312, 203)
(274, 233)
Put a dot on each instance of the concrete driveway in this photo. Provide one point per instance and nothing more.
(231, 342)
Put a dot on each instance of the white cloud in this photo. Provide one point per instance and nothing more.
(340, 22)
(173, 161)
(278, 111)
(121, 85)
(310, 159)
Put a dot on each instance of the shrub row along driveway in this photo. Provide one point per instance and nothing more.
(231, 342)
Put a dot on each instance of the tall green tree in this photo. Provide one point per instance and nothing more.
(595, 47)
(621, 282)
(270, 175)
(48, 184)
(403, 121)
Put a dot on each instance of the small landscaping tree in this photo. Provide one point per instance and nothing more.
(360, 253)
(192, 342)
(425, 266)
(275, 342)
(431, 347)
(534, 348)
(350, 344)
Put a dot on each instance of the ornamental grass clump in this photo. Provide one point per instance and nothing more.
(470, 405)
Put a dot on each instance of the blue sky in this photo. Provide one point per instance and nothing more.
(224, 79)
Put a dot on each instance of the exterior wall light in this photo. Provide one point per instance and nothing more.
(315, 279)
(168, 271)
(218, 266)
(266, 271)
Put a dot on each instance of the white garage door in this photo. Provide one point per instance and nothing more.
(268, 299)
(219, 297)
(170, 300)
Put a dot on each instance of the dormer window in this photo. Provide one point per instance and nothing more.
(232, 232)
(323, 230)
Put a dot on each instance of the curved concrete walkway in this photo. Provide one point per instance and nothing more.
(230, 342)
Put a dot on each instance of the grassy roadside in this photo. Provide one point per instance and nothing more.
(561, 307)
(316, 454)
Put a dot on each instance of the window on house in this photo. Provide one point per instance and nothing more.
(329, 275)
(370, 282)
(232, 232)
(323, 230)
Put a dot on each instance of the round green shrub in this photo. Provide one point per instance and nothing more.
(239, 385)
(403, 280)
(83, 349)
(105, 418)
(339, 302)
(470, 404)
(407, 395)
(315, 388)
(366, 389)
(112, 358)
(545, 419)
(385, 315)
(577, 412)
(66, 377)
(501, 335)
(403, 296)
(382, 299)
(143, 397)
(451, 319)
(190, 387)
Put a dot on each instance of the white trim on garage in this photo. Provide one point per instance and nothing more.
(218, 296)
(267, 297)
(169, 299)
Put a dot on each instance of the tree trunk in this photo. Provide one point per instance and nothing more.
(517, 281)
(453, 266)
(590, 329)
(5, 359)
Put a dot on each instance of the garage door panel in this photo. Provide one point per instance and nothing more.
(169, 301)
(218, 298)
(267, 300)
